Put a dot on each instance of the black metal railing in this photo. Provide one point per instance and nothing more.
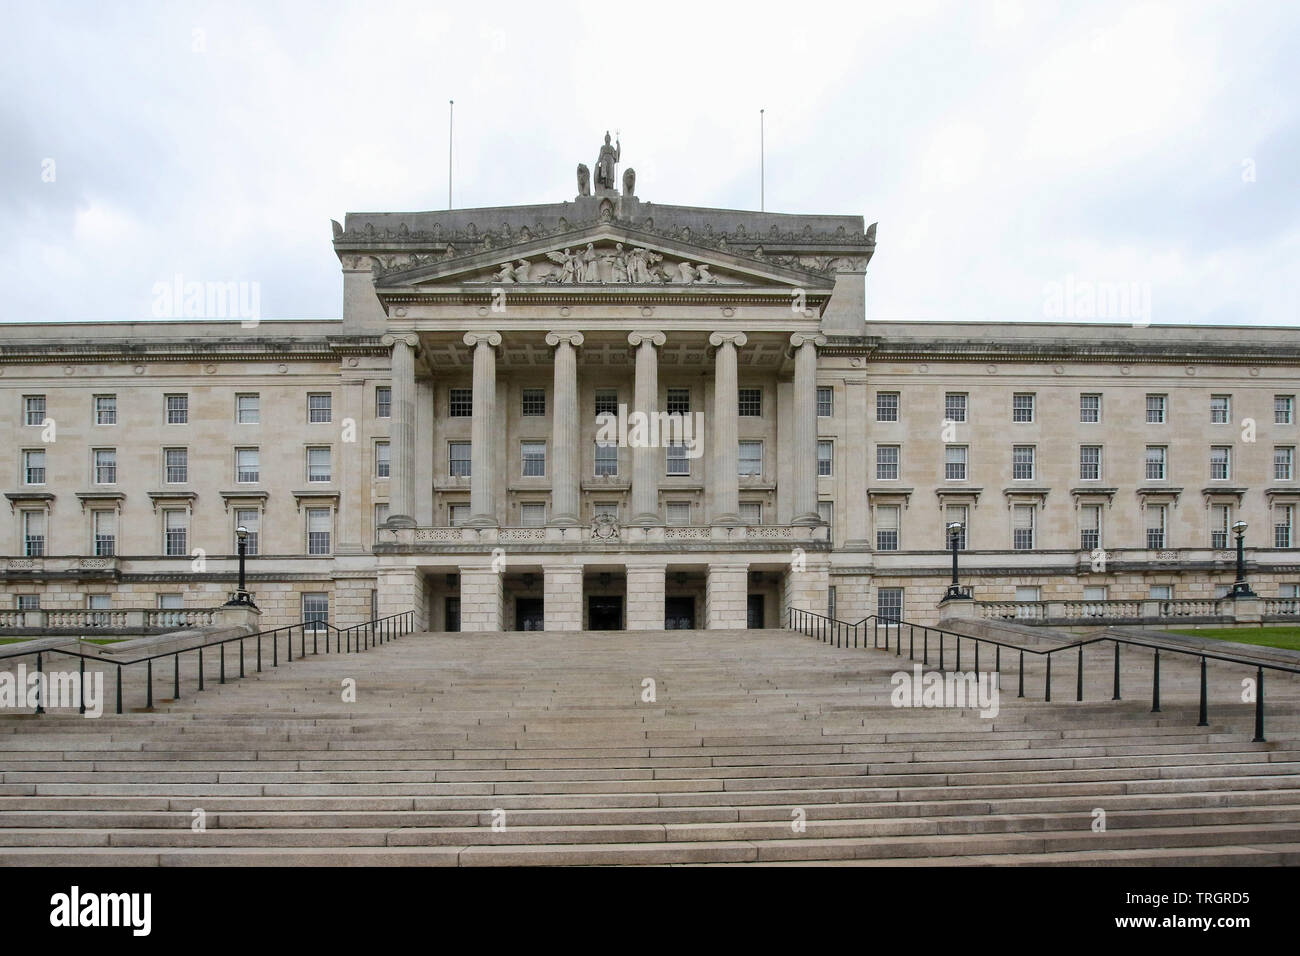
(831, 631)
(345, 640)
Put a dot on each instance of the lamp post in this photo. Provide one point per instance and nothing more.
(241, 597)
(1239, 587)
(954, 591)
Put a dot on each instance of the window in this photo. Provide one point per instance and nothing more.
(533, 454)
(1090, 407)
(178, 409)
(1090, 527)
(826, 511)
(1220, 522)
(825, 401)
(99, 602)
(249, 519)
(460, 402)
(678, 463)
(383, 464)
(1283, 462)
(1220, 463)
(383, 401)
(1161, 592)
(103, 531)
(957, 513)
(532, 401)
(1029, 592)
(751, 512)
(1288, 590)
(750, 402)
(830, 602)
(248, 409)
(1156, 462)
(315, 609)
(887, 528)
(1022, 527)
(606, 401)
(532, 514)
(318, 407)
(825, 458)
(175, 531)
(458, 459)
(749, 461)
(27, 602)
(33, 534)
(1155, 524)
(1220, 409)
(954, 406)
(886, 406)
(247, 467)
(1283, 409)
(678, 513)
(318, 463)
(319, 524)
(606, 509)
(1089, 462)
(1094, 592)
(954, 462)
(34, 466)
(1155, 409)
(381, 514)
(105, 465)
(1022, 462)
(1022, 407)
(105, 409)
(176, 465)
(171, 602)
(606, 460)
(679, 401)
(457, 514)
(889, 604)
(1283, 520)
(887, 462)
(34, 409)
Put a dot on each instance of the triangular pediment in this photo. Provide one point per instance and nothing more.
(603, 256)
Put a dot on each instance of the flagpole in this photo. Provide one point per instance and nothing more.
(451, 123)
(762, 164)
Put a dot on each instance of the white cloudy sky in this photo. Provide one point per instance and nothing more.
(1001, 145)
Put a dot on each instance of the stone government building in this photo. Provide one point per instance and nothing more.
(436, 447)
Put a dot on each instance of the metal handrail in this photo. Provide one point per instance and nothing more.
(830, 630)
(358, 637)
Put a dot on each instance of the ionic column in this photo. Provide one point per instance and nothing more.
(803, 443)
(482, 484)
(645, 458)
(565, 458)
(725, 431)
(401, 442)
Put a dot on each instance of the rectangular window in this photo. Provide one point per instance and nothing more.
(34, 534)
(1022, 407)
(533, 455)
(318, 463)
(889, 604)
(34, 466)
(1089, 462)
(178, 409)
(606, 460)
(34, 409)
(27, 602)
(679, 401)
(957, 514)
(381, 514)
(171, 602)
(1029, 592)
(1094, 592)
(103, 530)
(607, 509)
(887, 457)
(825, 401)
(105, 409)
(1156, 409)
(319, 525)
(99, 602)
(383, 401)
(1090, 407)
(1161, 592)
(1155, 525)
(383, 465)
(532, 514)
(1090, 527)
(749, 460)
(176, 465)
(1220, 522)
(457, 514)
(678, 463)
(954, 406)
(250, 519)
(750, 402)
(1283, 521)
(751, 513)
(886, 406)
(1155, 462)
(319, 410)
(954, 462)
(1022, 462)
(247, 465)
(176, 525)
(1283, 409)
(826, 511)
(1220, 463)
(458, 459)
(1220, 409)
(532, 401)
(1283, 463)
(606, 401)
(825, 458)
(1288, 590)
(1022, 528)
(887, 528)
(678, 513)
(460, 402)
(315, 609)
(248, 409)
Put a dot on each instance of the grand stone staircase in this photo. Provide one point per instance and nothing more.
(758, 747)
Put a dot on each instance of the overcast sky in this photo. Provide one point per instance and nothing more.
(1004, 147)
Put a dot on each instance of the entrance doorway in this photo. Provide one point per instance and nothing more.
(679, 613)
(528, 614)
(451, 608)
(754, 612)
(605, 612)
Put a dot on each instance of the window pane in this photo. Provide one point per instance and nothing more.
(751, 402)
(460, 402)
(1022, 407)
(825, 452)
(1090, 408)
(248, 409)
(534, 459)
(459, 458)
(318, 407)
(886, 406)
(383, 401)
(105, 409)
(954, 406)
(825, 401)
(533, 401)
(887, 462)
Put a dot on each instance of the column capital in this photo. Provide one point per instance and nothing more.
(474, 338)
(654, 338)
(737, 339)
(392, 338)
(573, 338)
(805, 338)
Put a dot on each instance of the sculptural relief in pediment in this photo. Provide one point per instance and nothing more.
(605, 263)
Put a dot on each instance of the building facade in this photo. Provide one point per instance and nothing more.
(606, 413)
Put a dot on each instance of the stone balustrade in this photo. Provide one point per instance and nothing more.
(813, 537)
(1145, 612)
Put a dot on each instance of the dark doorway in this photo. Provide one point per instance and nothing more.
(528, 614)
(451, 607)
(605, 612)
(679, 613)
(754, 612)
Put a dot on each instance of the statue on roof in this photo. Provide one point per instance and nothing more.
(605, 163)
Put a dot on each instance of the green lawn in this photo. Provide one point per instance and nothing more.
(1288, 637)
(12, 640)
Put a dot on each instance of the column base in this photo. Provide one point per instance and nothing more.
(481, 521)
(728, 520)
(807, 519)
(564, 521)
(647, 520)
(400, 521)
